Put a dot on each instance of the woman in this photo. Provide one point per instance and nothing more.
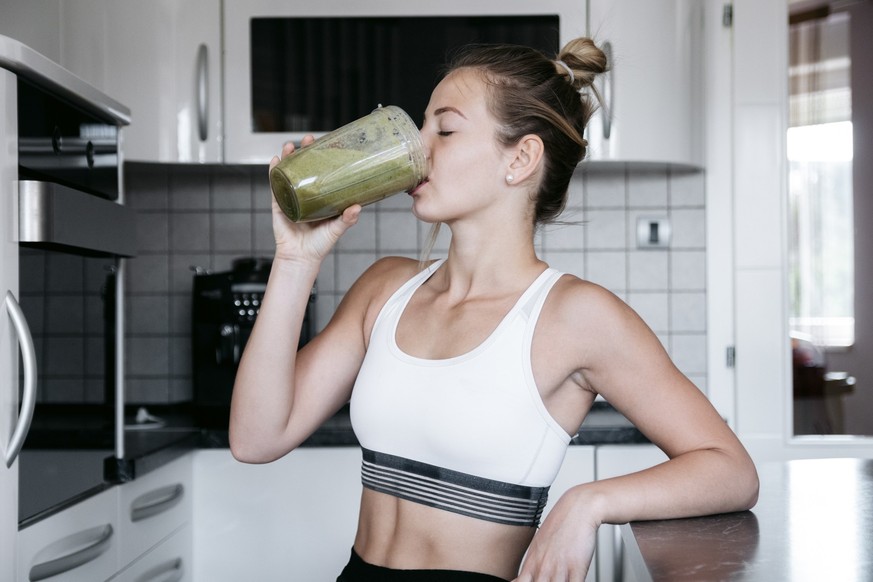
(439, 359)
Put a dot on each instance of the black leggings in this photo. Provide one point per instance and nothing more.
(357, 570)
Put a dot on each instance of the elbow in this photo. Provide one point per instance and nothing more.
(248, 451)
(747, 486)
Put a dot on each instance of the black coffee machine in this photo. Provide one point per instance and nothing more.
(224, 308)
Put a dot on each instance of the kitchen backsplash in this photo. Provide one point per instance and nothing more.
(206, 216)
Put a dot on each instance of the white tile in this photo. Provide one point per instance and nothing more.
(265, 243)
(647, 189)
(688, 270)
(653, 308)
(606, 229)
(325, 306)
(326, 281)
(362, 236)
(648, 271)
(687, 189)
(572, 262)
(232, 231)
(400, 201)
(688, 312)
(262, 196)
(443, 240)
(350, 266)
(605, 189)
(231, 188)
(688, 229)
(398, 232)
(608, 269)
(689, 353)
(563, 237)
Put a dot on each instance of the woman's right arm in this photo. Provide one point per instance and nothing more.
(280, 395)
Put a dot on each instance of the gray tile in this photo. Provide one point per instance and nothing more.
(397, 232)
(180, 356)
(689, 353)
(64, 356)
(190, 231)
(262, 196)
(647, 189)
(63, 390)
(64, 273)
(575, 193)
(180, 390)
(326, 281)
(264, 241)
(147, 273)
(325, 306)
(182, 269)
(148, 356)
(95, 359)
(189, 187)
(648, 271)
(362, 236)
(147, 390)
(568, 237)
(152, 231)
(64, 314)
(146, 187)
(231, 188)
(32, 275)
(571, 262)
(688, 312)
(149, 314)
(232, 231)
(180, 314)
(350, 266)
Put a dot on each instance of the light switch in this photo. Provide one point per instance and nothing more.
(653, 232)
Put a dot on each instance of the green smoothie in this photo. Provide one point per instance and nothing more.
(362, 162)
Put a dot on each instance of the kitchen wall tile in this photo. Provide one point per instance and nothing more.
(397, 232)
(189, 187)
(147, 390)
(325, 306)
(150, 184)
(605, 229)
(182, 268)
(572, 262)
(576, 192)
(95, 359)
(653, 308)
(350, 266)
(232, 231)
(148, 356)
(633, 217)
(608, 269)
(262, 196)
(647, 189)
(180, 390)
(400, 201)
(648, 271)
(563, 237)
(689, 353)
(688, 312)
(64, 313)
(687, 188)
(263, 240)
(361, 236)
(688, 270)
(180, 314)
(444, 237)
(63, 390)
(64, 356)
(152, 231)
(180, 356)
(689, 228)
(190, 231)
(148, 273)
(326, 280)
(231, 188)
(64, 273)
(605, 189)
(148, 314)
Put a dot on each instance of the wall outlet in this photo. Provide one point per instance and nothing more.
(653, 232)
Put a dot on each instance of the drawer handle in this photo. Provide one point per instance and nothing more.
(155, 502)
(28, 358)
(169, 571)
(203, 92)
(93, 542)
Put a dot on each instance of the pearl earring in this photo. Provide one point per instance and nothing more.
(510, 178)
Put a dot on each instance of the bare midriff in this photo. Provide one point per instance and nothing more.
(396, 533)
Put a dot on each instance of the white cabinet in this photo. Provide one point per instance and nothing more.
(154, 506)
(79, 543)
(169, 561)
(653, 107)
(614, 461)
(162, 59)
(293, 519)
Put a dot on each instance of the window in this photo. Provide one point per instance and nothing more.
(821, 253)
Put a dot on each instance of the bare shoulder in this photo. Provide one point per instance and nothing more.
(386, 275)
(574, 300)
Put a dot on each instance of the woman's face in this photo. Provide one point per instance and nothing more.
(467, 164)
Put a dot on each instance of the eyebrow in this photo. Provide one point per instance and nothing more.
(442, 110)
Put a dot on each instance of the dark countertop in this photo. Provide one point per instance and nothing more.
(812, 522)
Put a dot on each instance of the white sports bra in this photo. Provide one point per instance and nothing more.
(468, 434)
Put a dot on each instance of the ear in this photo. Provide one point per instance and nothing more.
(528, 158)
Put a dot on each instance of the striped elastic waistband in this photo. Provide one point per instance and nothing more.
(469, 495)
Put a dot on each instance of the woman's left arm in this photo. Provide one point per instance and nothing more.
(708, 471)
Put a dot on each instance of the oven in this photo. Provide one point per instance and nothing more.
(62, 188)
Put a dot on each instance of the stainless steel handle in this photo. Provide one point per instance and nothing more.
(96, 540)
(28, 399)
(203, 92)
(169, 571)
(607, 91)
(156, 501)
(617, 555)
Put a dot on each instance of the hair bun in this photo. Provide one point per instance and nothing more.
(583, 60)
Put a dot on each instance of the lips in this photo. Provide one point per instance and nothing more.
(420, 184)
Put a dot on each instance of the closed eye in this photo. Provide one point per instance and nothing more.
(445, 133)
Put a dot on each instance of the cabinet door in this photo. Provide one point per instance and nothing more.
(8, 337)
(292, 519)
(578, 467)
(652, 105)
(614, 461)
(153, 506)
(161, 59)
(169, 561)
(79, 543)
